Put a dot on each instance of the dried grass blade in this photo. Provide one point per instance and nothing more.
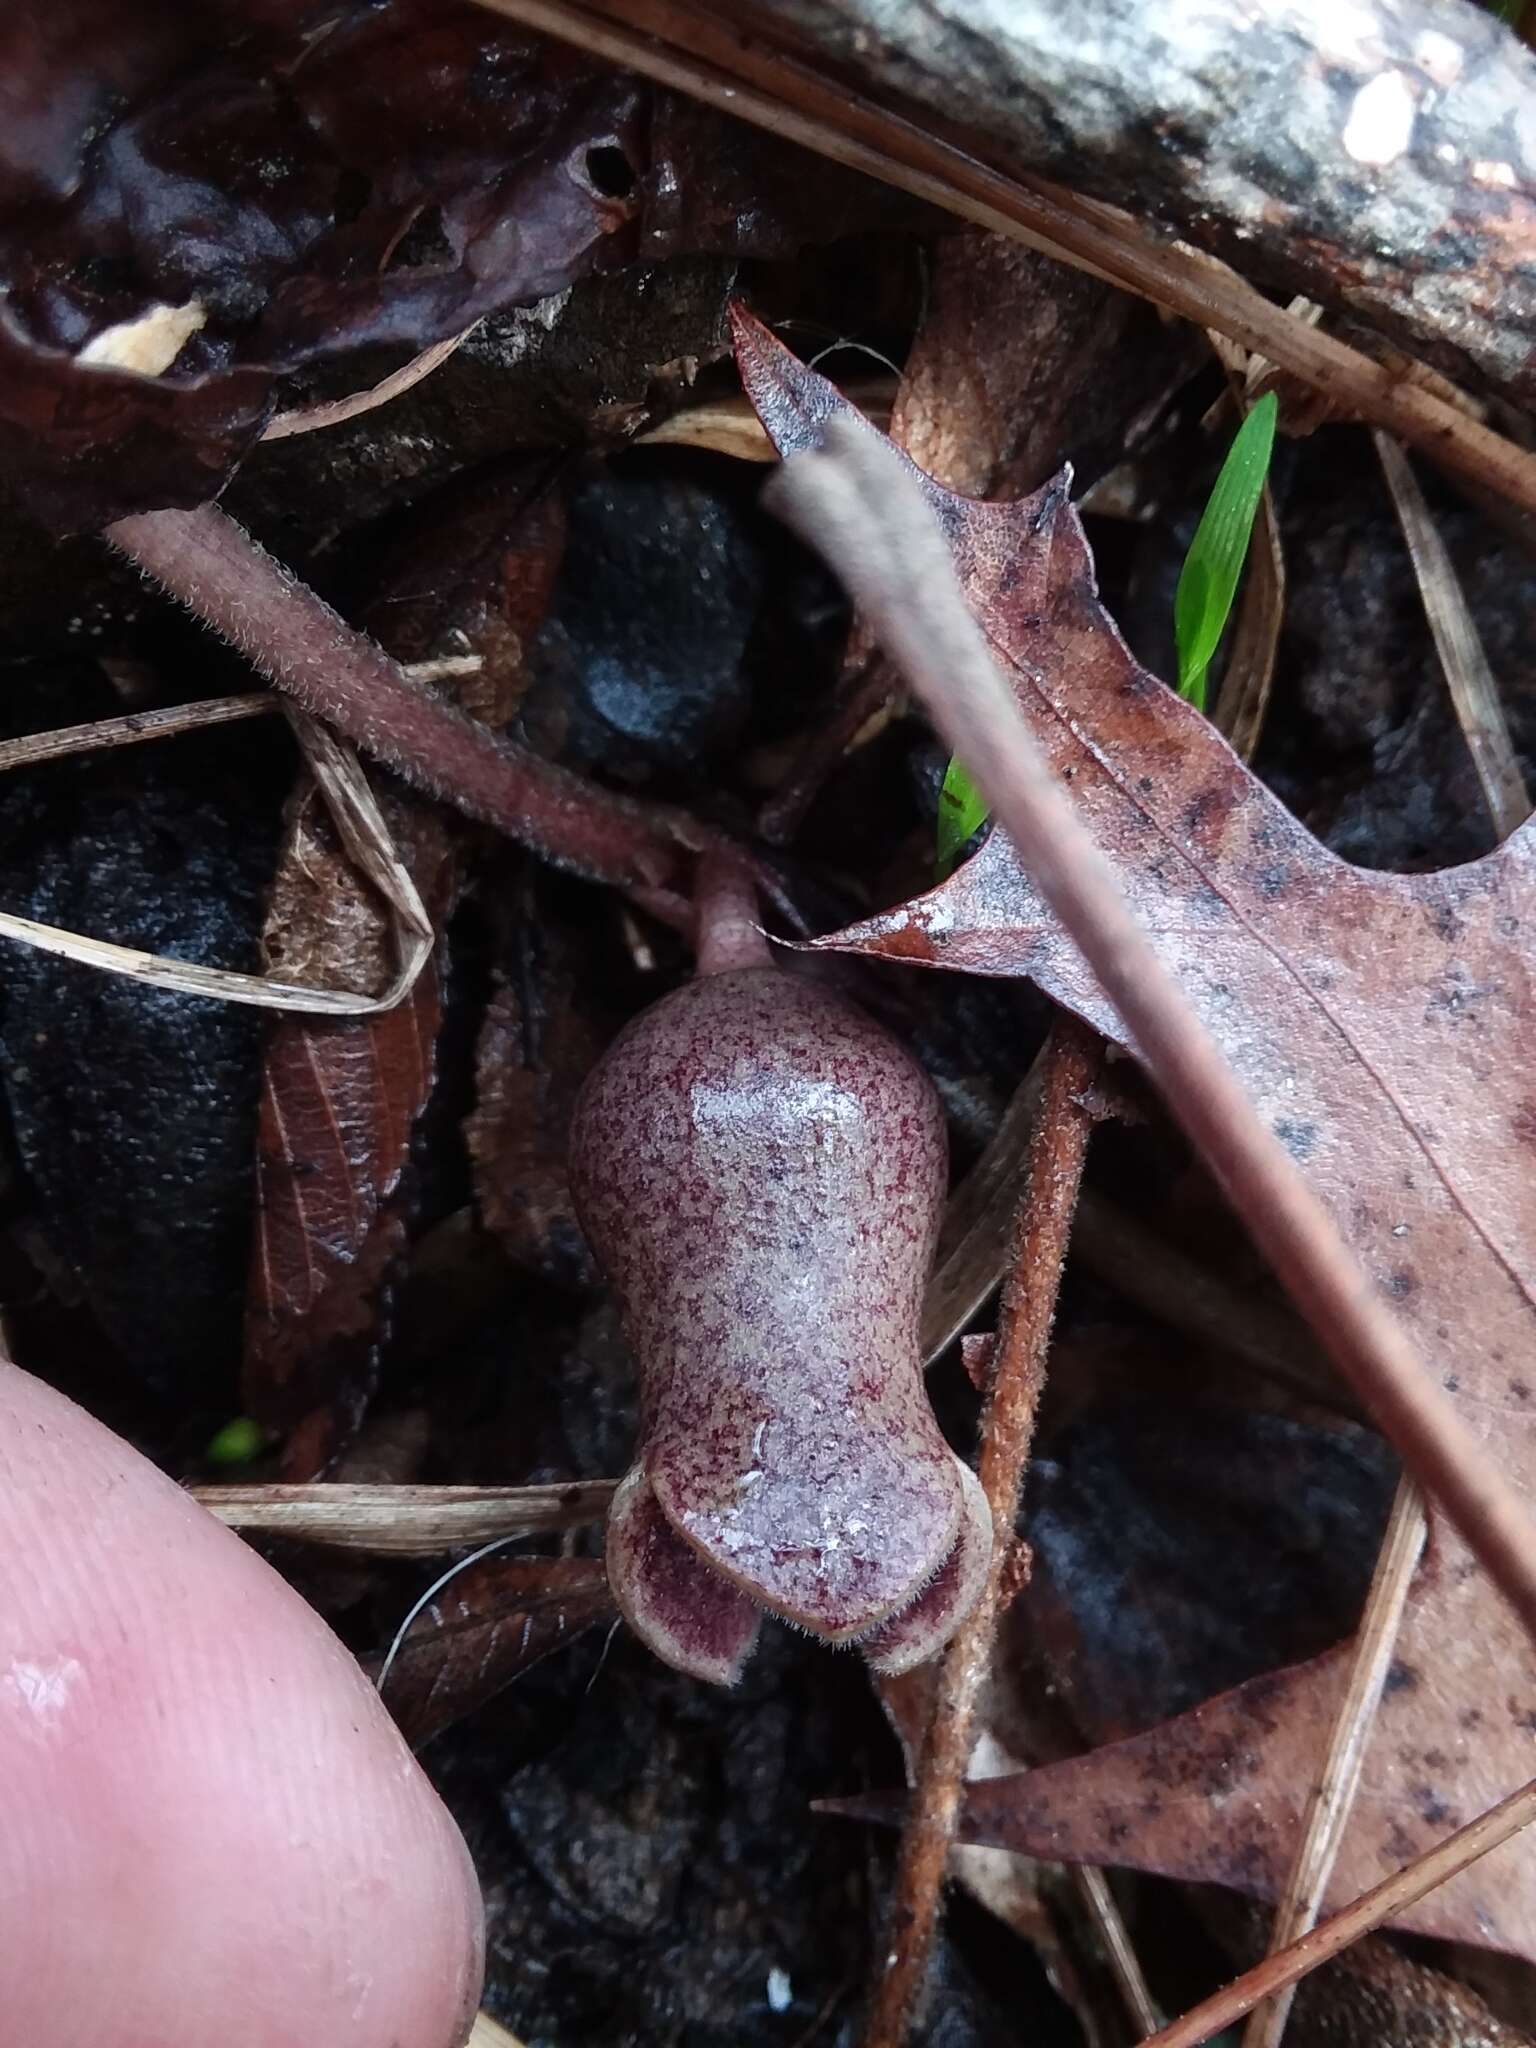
(976, 1241)
(489, 2033)
(1244, 697)
(404, 1521)
(729, 426)
(1333, 1796)
(1474, 693)
(360, 824)
(1124, 1963)
(308, 419)
(170, 721)
(134, 728)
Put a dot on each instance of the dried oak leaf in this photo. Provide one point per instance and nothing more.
(340, 1098)
(1380, 1024)
(487, 1626)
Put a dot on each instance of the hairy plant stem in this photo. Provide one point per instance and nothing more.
(727, 930)
(855, 501)
(341, 676)
(1053, 1173)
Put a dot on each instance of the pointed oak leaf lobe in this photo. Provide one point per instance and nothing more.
(1381, 1024)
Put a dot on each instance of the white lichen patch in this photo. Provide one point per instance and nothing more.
(1380, 123)
(1439, 56)
(1342, 34)
(1493, 172)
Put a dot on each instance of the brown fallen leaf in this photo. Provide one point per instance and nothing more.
(1008, 375)
(338, 1103)
(485, 1627)
(1378, 1022)
(340, 1100)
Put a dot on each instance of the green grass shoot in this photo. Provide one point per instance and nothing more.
(1201, 605)
(1208, 580)
(961, 810)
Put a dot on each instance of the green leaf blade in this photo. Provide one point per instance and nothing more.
(1208, 581)
(961, 811)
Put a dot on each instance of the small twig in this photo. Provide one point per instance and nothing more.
(404, 1521)
(1044, 1220)
(1474, 693)
(1333, 1795)
(443, 668)
(976, 1241)
(307, 419)
(713, 61)
(133, 728)
(856, 501)
(341, 676)
(1384, 1902)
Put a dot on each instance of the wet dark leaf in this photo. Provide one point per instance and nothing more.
(311, 180)
(487, 1626)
